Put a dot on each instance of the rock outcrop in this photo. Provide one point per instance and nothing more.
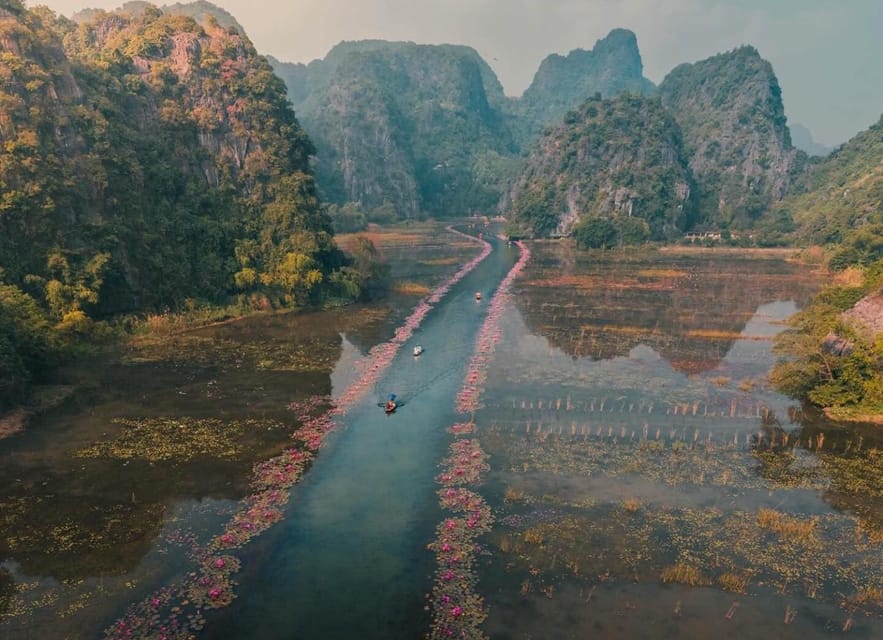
(401, 124)
(730, 110)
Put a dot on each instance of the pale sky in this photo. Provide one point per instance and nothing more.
(827, 54)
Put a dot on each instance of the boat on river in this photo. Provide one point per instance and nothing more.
(418, 350)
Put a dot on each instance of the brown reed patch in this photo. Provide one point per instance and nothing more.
(412, 288)
(715, 334)
(623, 330)
(662, 273)
(849, 277)
(868, 595)
(720, 381)
(873, 534)
(787, 528)
(747, 385)
(683, 573)
(631, 504)
(811, 255)
(12, 422)
(347, 241)
(534, 535)
(526, 587)
(513, 495)
(161, 323)
(568, 282)
(506, 544)
(440, 262)
(735, 582)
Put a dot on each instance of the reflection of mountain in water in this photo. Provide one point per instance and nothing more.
(688, 306)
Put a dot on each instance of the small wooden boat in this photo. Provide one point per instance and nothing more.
(478, 295)
(418, 350)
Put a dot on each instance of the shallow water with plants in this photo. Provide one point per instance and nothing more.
(591, 449)
(108, 497)
(646, 481)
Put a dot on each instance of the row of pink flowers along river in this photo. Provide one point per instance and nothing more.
(176, 612)
(476, 372)
(457, 609)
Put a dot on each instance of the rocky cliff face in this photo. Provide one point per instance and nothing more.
(561, 83)
(729, 108)
(615, 158)
(401, 124)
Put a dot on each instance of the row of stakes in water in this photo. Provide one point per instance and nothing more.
(622, 434)
(697, 408)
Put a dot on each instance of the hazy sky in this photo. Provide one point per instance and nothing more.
(827, 54)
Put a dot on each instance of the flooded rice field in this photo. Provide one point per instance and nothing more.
(591, 449)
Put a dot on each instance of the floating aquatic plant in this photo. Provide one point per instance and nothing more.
(457, 609)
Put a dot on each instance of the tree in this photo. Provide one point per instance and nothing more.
(595, 233)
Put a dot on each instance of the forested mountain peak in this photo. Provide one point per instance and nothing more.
(200, 10)
(304, 80)
(150, 160)
(611, 67)
(730, 110)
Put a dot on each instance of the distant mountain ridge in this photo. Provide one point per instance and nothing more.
(448, 136)
(402, 125)
(803, 140)
(611, 67)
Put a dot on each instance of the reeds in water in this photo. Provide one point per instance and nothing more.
(684, 573)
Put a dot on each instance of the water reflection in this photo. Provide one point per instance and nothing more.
(688, 308)
(648, 481)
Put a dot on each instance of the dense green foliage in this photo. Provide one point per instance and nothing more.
(841, 194)
(148, 162)
(831, 360)
(26, 343)
(618, 158)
